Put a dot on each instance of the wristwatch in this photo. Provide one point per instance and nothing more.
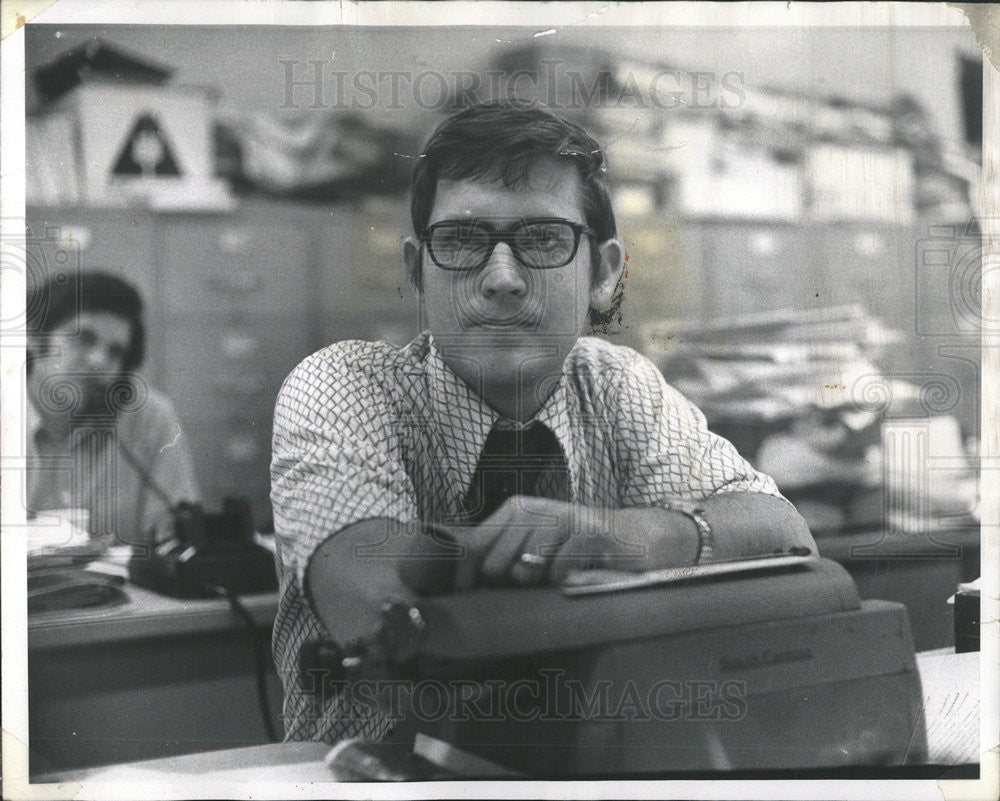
(706, 542)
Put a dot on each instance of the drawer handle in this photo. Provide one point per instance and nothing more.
(764, 243)
(238, 281)
(238, 345)
(242, 449)
(234, 240)
(869, 244)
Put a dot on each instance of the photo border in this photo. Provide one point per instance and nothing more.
(544, 17)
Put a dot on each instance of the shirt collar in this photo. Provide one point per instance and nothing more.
(465, 419)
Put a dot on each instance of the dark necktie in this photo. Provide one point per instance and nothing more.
(526, 461)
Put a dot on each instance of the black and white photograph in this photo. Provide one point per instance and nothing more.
(326, 474)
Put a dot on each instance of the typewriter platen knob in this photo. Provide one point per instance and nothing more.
(402, 627)
(326, 660)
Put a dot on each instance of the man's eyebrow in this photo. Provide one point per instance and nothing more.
(491, 221)
(485, 222)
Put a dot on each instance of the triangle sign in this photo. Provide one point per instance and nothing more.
(146, 151)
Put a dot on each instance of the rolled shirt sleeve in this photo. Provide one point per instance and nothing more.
(335, 460)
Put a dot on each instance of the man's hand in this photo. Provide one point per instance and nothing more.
(531, 540)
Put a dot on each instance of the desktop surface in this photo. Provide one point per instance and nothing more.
(951, 705)
(151, 677)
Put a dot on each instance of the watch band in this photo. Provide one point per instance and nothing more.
(706, 541)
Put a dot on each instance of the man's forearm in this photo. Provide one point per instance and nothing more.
(366, 564)
(353, 573)
(753, 523)
(742, 524)
(357, 570)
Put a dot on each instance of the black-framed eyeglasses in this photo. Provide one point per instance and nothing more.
(541, 243)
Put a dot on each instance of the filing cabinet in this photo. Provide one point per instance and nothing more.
(213, 365)
(231, 455)
(665, 274)
(231, 309)
(239, 301)
(872, 264)
(759, 267)
(364, 290)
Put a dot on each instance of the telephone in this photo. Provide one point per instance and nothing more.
(205, 553)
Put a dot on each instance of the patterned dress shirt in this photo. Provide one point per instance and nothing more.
(365, 430)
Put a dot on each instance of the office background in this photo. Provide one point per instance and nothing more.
(798, 207)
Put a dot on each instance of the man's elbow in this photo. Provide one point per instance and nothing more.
(795, 530)
(763, 523)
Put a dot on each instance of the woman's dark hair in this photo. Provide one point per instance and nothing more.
(63, 297)
(502, 141)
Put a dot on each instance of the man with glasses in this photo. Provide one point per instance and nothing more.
(500, 428)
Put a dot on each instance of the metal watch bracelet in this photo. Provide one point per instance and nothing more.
(706, 541)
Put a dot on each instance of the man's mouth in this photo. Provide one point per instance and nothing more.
(502, 325)
(525, 319)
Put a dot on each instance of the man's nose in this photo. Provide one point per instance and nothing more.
(503, 274)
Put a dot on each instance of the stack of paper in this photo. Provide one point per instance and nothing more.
(802, 397)
(768, 367)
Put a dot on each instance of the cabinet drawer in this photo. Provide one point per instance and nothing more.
(758, 268)
(236, 442)
(394, 320)
(234, 266)
(62, 243)
(872, 265)
(233, 363)
(363, 286)
(232, 458)
(664, 280)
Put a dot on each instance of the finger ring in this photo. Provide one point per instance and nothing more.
(533, 559)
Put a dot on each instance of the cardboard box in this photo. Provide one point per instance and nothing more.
(146, 144)
(743, 185)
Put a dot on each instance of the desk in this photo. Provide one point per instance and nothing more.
(920, 572)
(953, 734)
(152, 677)
(159, 676)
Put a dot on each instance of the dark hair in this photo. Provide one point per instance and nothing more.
(502, 141)
(63, 297)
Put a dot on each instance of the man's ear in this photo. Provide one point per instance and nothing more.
(411, 260)
(605, 274)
